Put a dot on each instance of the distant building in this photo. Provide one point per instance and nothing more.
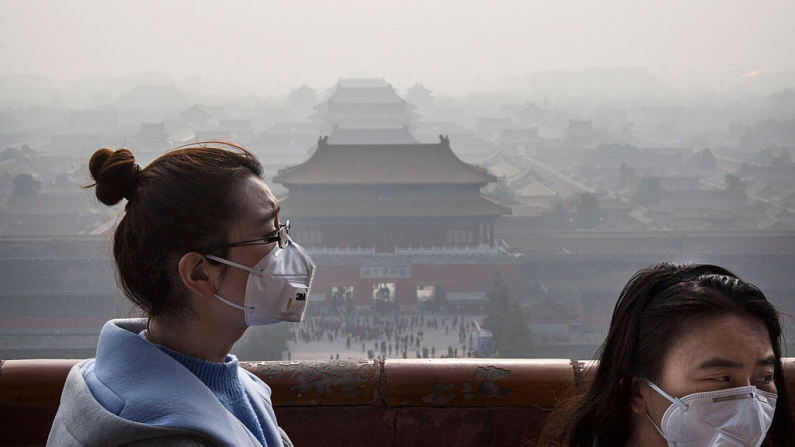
(580, 133)
(531, 114)
(374, 211)
(104, 122)
(363, 104)
(240, 129)
(490, 127)
(49, 214)
(420, 96)
(74, 143)
(286, 138)
(716, 209)
(503, 166)
(153, 138)
(395, 135)
(466, 143)
(680, 183)
(384, 192)
(198, 117)
(302, 101)
(518, 140)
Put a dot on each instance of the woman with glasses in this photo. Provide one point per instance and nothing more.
(692, 358)
(201, 251)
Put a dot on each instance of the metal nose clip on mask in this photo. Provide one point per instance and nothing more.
(278, 286)
(734, 417)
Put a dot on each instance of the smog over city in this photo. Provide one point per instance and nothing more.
(471, 179)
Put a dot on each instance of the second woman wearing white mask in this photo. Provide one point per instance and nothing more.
(692, 359)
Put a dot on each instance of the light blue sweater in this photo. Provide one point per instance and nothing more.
(134, 393)
(222, 379)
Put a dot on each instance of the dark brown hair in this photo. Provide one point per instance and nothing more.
(650, 314)
(181, 202)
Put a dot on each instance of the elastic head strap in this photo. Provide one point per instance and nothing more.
(233, 264)
(674, 400)
(236, 306)
(656, 427)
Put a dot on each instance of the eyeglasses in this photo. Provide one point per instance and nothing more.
(282, 237)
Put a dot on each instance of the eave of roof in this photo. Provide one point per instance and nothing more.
(406, 206)
(383, 164)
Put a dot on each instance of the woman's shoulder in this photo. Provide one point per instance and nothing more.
(250, 382)
(172, 441)
(82, 420)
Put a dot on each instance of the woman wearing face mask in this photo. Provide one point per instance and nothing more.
(201, 251)
(692, 359)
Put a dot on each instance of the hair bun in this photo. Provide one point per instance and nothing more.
(115, 175)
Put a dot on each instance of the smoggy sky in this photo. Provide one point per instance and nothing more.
(458, 44)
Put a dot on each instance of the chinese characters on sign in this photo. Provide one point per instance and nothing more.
(399, 271)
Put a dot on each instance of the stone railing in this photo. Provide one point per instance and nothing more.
(434, 402)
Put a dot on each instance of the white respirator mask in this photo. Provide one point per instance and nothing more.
(734, 417)
(278, 286)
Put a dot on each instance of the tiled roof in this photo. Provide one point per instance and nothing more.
(704, 199)
(535, 189)
(362, 83)
(365, 95)
(405, 206)
(383, 164)
(397, 135)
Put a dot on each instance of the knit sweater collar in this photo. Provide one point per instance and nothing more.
(221, 378)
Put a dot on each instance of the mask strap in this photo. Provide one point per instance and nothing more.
(244, 308)
(278, 250)
(656, 427)
(233, 264)
(675, 400)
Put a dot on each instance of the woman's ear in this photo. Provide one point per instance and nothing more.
(197, 274)
(639, 396)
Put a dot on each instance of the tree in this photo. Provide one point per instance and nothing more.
(649, 192)
(626, 174)
(705, 160)
(749, 139)
(11, 153)
(588, 213)
(25, 185)
(507, 322)
(558, 218)
(735, 183)
(783, 159)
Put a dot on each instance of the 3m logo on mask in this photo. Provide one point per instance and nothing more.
(297, 298)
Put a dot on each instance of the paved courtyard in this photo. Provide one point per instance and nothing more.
(324, 338)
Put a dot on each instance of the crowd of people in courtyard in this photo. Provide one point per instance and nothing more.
(382, 337)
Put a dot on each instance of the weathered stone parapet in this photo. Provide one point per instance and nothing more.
(439, 402)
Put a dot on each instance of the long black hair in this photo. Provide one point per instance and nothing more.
(650, 314)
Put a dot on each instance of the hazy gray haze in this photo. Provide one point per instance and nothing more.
(267, 47)
(550, 151)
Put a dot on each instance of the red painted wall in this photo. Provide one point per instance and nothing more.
(460, 278)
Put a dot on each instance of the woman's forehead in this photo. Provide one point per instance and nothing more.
(742, 339)
(258, 204)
